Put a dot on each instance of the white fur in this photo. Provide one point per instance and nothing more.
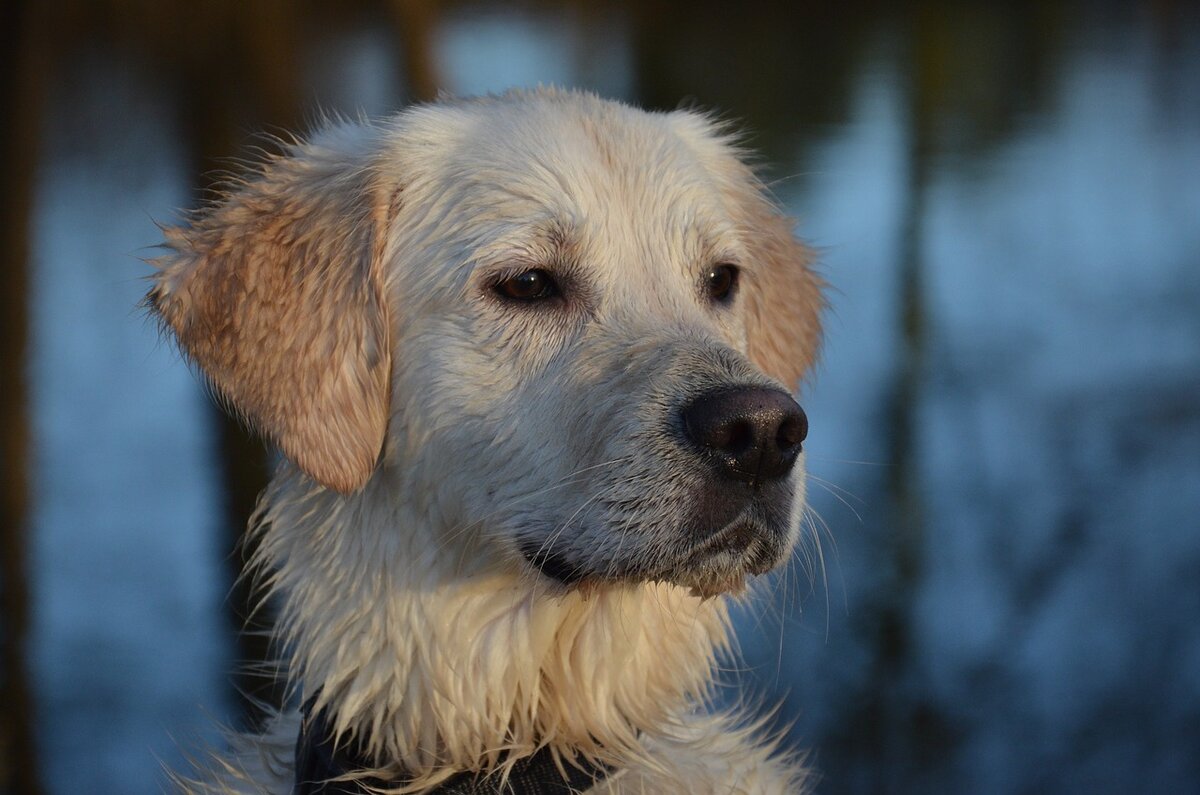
(407, 601)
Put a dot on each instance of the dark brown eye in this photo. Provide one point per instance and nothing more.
(534, 285)
(722, 280)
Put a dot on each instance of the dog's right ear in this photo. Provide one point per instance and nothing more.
(276, 292)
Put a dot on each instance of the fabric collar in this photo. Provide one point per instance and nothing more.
(319, 759)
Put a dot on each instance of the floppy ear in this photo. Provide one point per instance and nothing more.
(782, 294)
(276, 292)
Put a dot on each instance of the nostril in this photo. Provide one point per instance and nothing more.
(733, 437)
(792, 431)
(729, 435)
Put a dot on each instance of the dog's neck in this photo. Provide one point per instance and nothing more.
(436, 656)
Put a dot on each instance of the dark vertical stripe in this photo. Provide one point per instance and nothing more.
(22, 52)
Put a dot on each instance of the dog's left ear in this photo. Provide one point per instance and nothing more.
(782, 295)
(276, 292)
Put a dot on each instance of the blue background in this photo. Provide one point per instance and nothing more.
(1002, 591)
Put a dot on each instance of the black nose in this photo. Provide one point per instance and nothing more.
(753, 434)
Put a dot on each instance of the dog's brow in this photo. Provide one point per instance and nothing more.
(553, 241)
(562, 235)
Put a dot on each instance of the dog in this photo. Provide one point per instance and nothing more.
(529, 360)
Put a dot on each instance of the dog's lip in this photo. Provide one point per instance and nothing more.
(735, 538)
(553, 564)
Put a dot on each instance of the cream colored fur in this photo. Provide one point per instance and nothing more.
(357, 271)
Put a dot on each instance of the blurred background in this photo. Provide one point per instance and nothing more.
(1005, 447)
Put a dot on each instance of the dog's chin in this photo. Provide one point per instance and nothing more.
(723, 562)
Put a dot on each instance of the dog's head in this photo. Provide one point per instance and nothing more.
(562, 325)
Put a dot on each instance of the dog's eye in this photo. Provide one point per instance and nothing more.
(721, 281)
(534, 285)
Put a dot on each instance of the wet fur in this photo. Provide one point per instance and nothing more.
(437, 439)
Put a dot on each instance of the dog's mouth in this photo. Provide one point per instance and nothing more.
(735, 539)
(554, 565)
(720, 563)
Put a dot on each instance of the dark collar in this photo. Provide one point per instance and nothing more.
(319, 759)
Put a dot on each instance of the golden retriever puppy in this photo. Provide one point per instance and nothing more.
(528, 359)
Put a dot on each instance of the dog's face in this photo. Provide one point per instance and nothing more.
(564, 326)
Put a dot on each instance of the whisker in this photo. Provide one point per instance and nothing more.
(824, 460)
(824, 573)
(818, 524)
(829, 487)
(554, 536)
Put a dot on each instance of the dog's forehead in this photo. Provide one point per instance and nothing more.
(610, 181)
